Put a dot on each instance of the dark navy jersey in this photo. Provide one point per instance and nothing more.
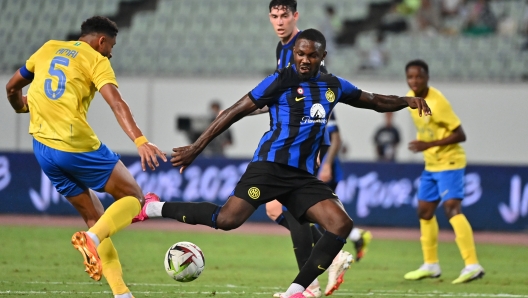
(284, 54)
(299, 111)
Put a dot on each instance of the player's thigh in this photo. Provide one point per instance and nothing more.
(234, 213)
(308, 191)
(273, 209)
(121, 184)
(331, 215)
(88, 205)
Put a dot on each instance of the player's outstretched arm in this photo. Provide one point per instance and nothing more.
(184, 156)
(147, 151)
(14, 92)
(457, 136)
(391, 103)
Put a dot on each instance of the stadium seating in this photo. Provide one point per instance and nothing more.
(234, 38)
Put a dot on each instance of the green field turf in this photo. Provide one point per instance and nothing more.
(41, 262)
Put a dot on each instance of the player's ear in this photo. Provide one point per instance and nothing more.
(324, 55)
(296, 15)
(101, 40)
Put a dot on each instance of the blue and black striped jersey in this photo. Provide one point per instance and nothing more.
(284, 54)
(299, 111)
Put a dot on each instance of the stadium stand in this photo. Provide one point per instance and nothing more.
(198, 38)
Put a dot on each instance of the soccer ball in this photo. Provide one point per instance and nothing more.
(184, 261)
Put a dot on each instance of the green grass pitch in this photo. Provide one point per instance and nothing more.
(41, 262)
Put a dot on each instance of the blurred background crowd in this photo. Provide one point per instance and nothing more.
(469, 39)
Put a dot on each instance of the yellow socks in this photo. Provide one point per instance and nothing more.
(117, 217)
(429, 240)
(112, 267)
(464, 238)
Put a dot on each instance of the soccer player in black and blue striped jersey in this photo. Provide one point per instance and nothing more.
(300, 99)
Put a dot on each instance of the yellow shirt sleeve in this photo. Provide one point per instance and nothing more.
(103, 74)
(445, 116)
(30, 63)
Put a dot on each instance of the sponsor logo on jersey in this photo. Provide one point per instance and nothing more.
(317, 115)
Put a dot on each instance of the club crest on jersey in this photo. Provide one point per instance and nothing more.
(330, 96)
(300, 90)
(317, 115)
(254, 193)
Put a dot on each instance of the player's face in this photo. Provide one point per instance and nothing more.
(106, 44)
(417, 79)
(283, 21)
(308, 56)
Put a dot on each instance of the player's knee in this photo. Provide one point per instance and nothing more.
(272, 215)
(452, 208)
(342, 226)
(229, 223)
(425, 214)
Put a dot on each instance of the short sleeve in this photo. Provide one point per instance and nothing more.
(349, 93)
(267, 91)
(445, 115)
(28, 70)
(331, 126)
(103, 74)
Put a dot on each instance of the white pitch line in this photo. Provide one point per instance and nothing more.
(372, 293)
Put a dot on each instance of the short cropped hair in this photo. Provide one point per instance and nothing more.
(313, 35)
(290, 4)
(419, 63)
(99, 24)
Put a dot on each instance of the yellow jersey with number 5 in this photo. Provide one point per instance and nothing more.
(66, 75)
(438, 126)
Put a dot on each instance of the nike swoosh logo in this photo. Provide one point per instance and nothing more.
(299, 98)
(184, 218)
(319, 267)
(444, 193)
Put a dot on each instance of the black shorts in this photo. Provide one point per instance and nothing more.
(296, 189)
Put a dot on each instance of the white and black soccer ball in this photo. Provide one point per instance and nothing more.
(184, 261)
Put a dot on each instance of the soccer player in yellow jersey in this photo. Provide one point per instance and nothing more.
(64, 76)
(442, 180)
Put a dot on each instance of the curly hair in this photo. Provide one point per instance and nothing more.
(419, 63)
(313, 35)
(290, 4)
(99, 24)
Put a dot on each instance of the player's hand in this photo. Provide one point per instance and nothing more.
(24, 100)
(325, 173)
(420, 104)
(149, 154)
(183, 156)
(418, 146)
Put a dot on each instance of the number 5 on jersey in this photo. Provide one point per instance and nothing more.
(56, 72)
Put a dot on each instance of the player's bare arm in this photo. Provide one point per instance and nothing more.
(147, 151)
(14, 92)
(391, 103)
(326, 174)
(259, 111)
(457, 136)
(184, 156)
